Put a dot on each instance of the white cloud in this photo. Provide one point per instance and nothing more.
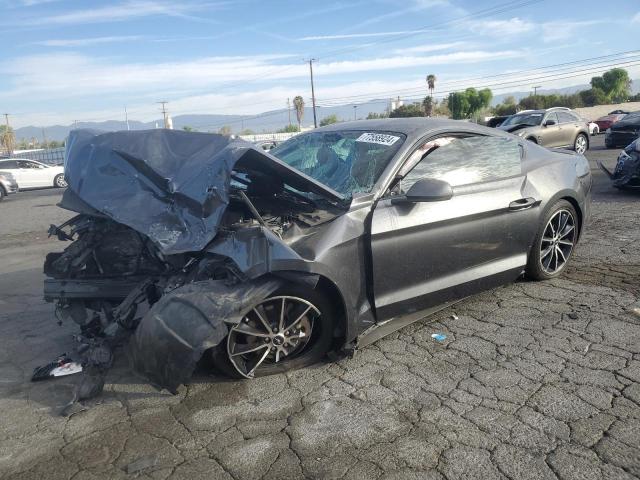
(434, 47)
(73, 75)
(119, 12)
(636, 18)
(562, 30)
(501, 28)
(85, 42)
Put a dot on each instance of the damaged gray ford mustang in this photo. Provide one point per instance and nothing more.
(189, 244)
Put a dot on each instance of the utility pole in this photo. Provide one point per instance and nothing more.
(8, 140)
(44, 139)
(313, 94)
(164, 113)
(289, 110)
(355, 109)
(535, 95)
(126, 117)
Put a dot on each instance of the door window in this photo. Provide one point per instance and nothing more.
(24, 164)
(566, 117)
(9, 164)
(553, 117)
(467, 160)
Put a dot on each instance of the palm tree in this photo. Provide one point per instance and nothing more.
(298, 103)
(431, 83)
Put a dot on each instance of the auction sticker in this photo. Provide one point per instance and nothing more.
(381, 138)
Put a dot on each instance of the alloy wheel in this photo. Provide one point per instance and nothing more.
(558, 241)
(277, 329)
(581, 144)
(61, 182)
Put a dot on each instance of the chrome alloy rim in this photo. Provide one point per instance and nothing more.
(277, 328)
(61, 182)
(558, 240)
(581, 144)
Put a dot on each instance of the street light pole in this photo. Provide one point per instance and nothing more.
(313, 94)
(535, 95)
(355, 109)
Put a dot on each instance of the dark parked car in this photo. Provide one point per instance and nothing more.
(623, 132)
(554, 127)
(8, 184)
(626, 175)
(191, 244)
(494, 122)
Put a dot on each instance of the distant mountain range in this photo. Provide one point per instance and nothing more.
(261, 123)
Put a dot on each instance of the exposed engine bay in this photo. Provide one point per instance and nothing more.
(126, 283)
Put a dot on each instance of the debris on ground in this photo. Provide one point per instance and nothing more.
(454, 317)
(572, 315)
(439, 337)
(61, 367)
(141, 464)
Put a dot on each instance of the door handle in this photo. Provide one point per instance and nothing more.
(522, 203)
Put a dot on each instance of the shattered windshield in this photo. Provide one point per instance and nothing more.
(530, 119)
(349, 162)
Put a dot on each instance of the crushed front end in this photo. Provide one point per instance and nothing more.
(169, 250)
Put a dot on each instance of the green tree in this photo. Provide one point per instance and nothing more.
(226, 130)
(441, 109)
(507, 107)
(289, 129)
(467, 104)
(7, 138)
(427, 104)
(431, 84)
(458, 104)
(375, 116)
(247, 131)
(329, 120)
(412, 110)
(298, 103)
(187, 128)
(615, 84)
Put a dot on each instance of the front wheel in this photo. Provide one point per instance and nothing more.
(581, 144)
(59, 181)
(554, 242)
(291, 329)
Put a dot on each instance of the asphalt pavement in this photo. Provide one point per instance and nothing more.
(534, 381)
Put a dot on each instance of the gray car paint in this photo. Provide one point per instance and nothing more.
(382, 262)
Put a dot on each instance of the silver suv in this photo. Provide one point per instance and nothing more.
(554, 127)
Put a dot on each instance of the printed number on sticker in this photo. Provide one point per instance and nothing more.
(381, 138)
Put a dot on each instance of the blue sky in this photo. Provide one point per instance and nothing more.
(66, 60)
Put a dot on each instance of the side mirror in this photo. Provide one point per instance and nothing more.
(549, 122)
(426, 190)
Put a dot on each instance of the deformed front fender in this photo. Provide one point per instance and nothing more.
(187, 321)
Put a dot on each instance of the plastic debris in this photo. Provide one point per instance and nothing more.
(141, 464)
(572, 315)
(454, 317)
(439, 337)
(62, 367)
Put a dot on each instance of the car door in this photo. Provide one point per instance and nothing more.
(569, 125)
(29, 174)
(550, 135)
(426, 254)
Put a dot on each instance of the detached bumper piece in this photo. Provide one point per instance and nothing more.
(184, 323)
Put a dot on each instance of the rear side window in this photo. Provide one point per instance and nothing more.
(9, 164)
(469, 160)
(566, 117)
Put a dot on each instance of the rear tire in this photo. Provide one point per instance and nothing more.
(554, 245)
(581, 144)
(2, 194)
(59, 181)
(317, 347)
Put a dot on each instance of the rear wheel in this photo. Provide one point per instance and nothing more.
(581, 143)
(554, 243)
(291, 329)
(59, 181)
(2, 194)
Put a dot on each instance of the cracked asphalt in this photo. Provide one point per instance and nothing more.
(534, 381)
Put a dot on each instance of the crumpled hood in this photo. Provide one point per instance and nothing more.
(172, 186)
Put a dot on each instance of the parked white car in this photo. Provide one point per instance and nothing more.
(32, 174)
(594, 129)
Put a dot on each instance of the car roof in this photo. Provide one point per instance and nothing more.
(412, 127)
